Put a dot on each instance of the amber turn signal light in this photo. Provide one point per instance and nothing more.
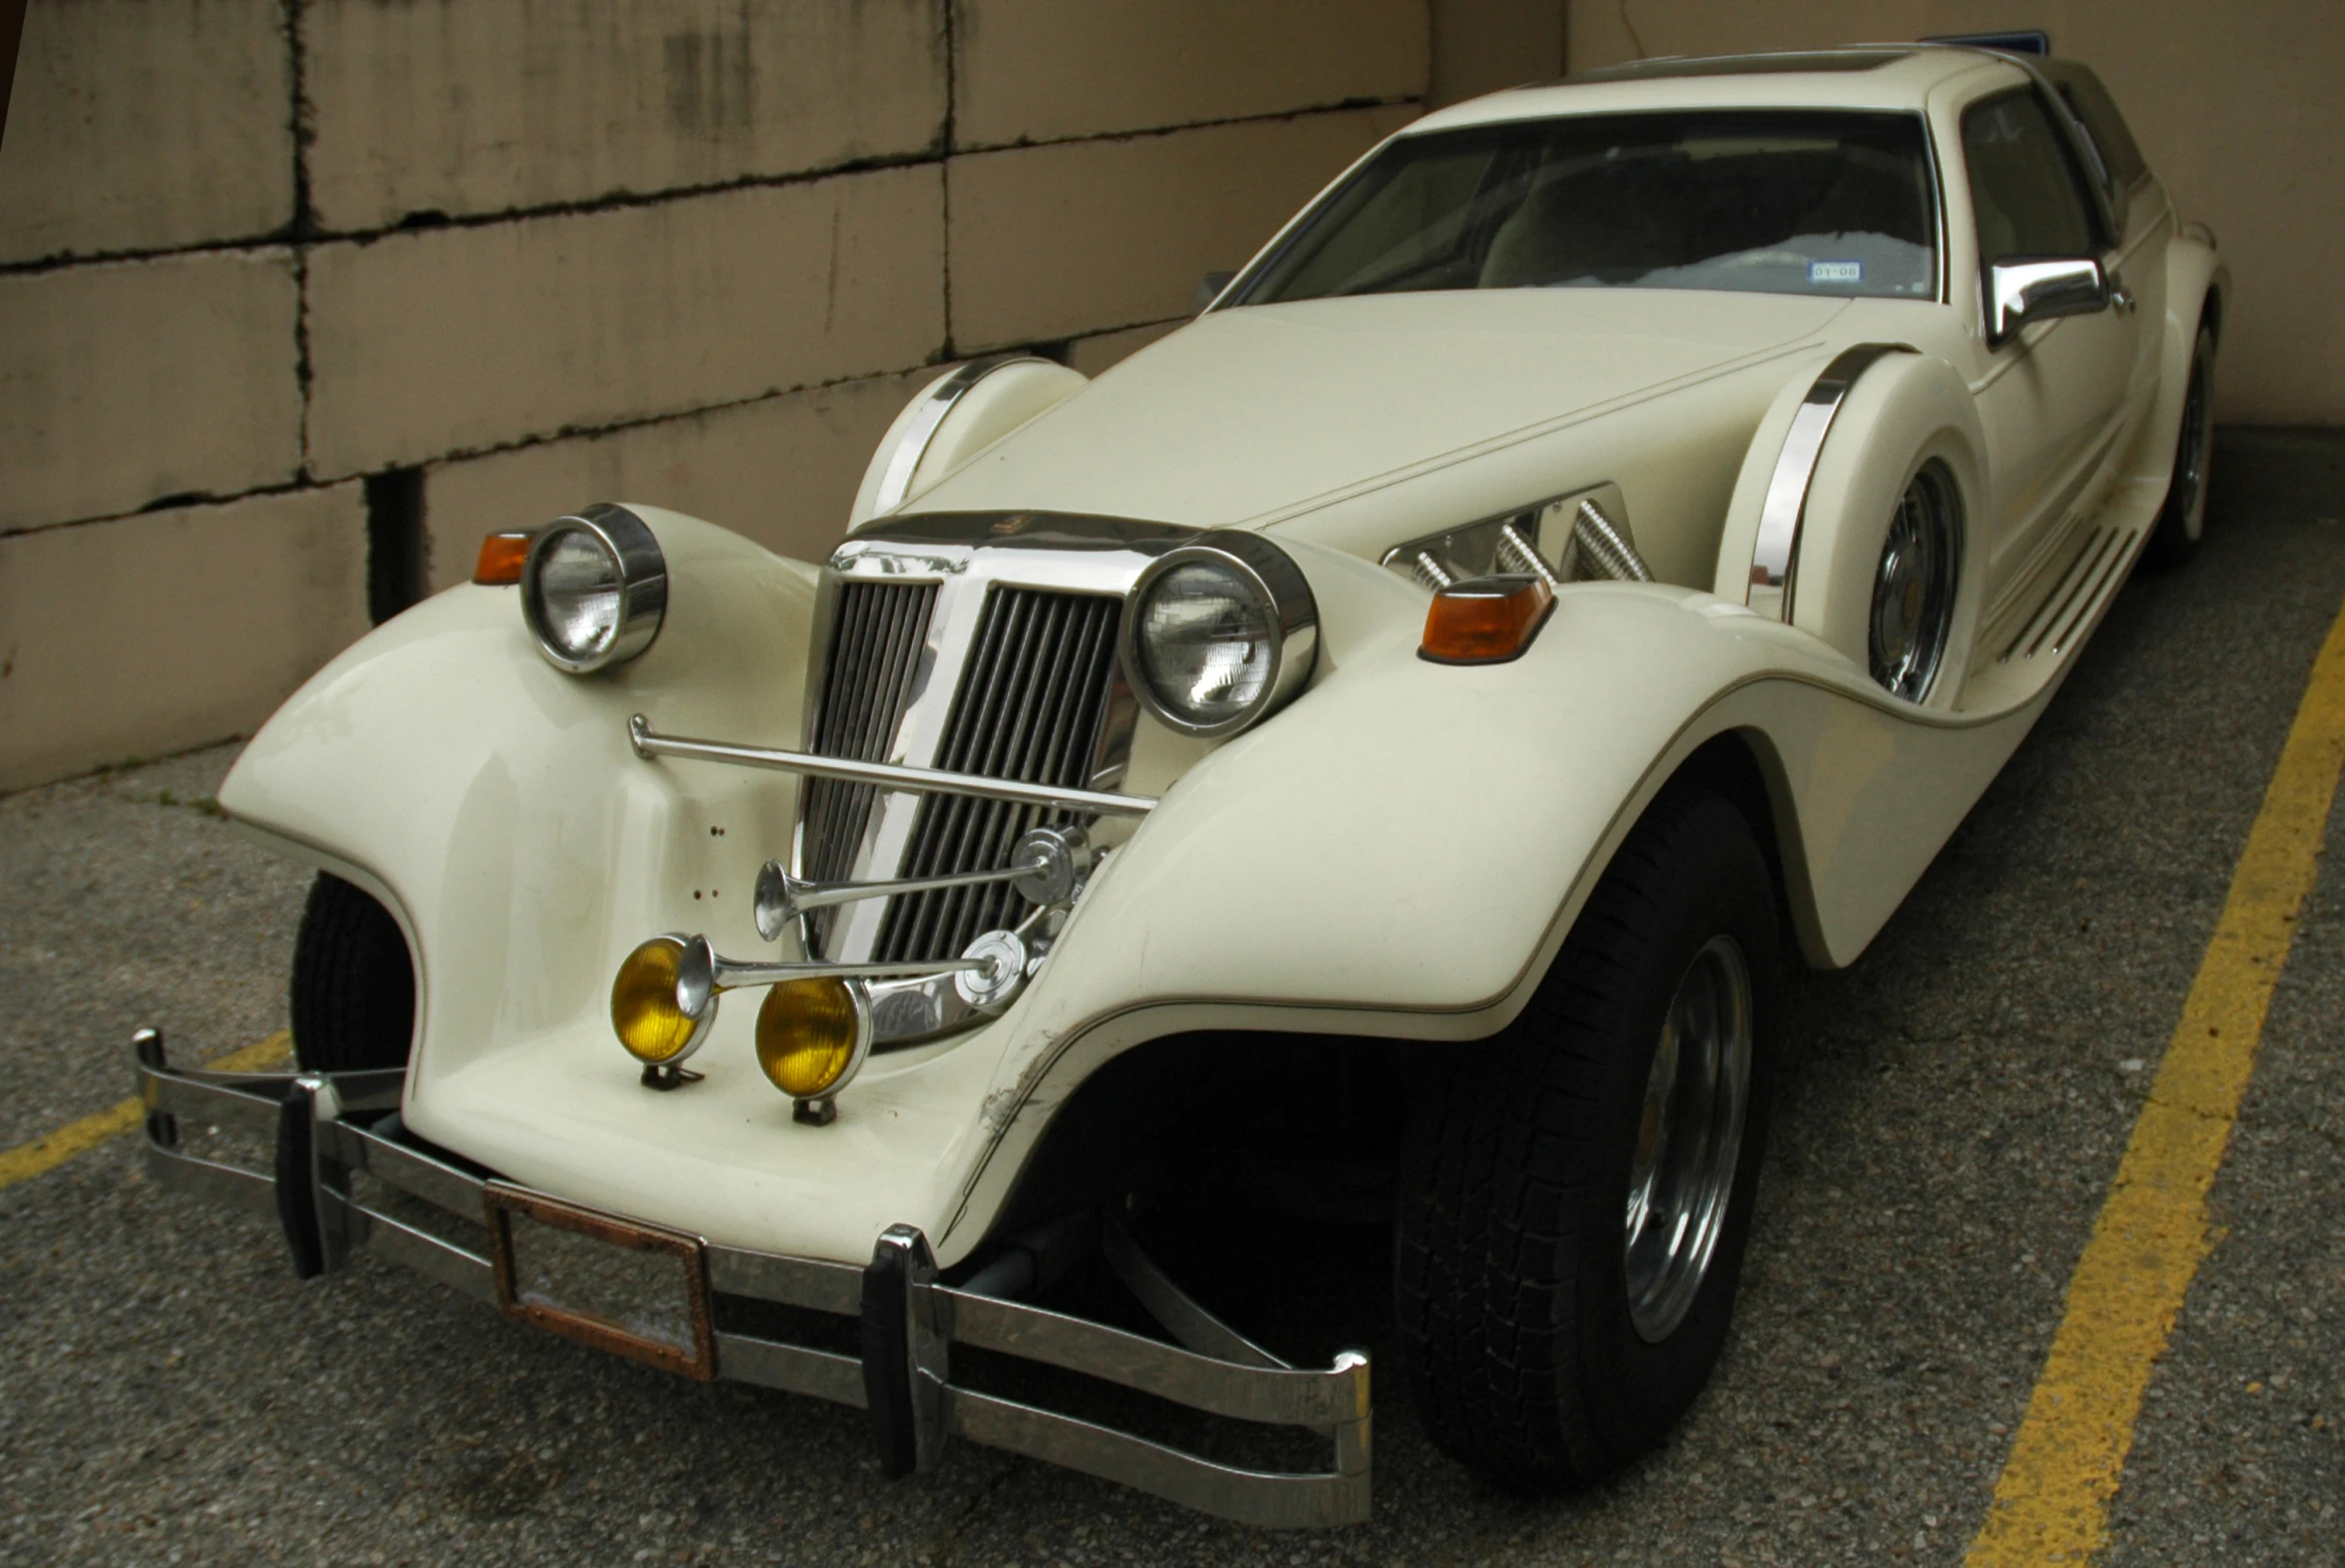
(1485, 621)
(501, 559)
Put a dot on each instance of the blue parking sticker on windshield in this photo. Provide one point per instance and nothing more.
(1835, 271)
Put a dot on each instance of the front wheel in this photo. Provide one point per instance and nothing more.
(1577, 1192)
(353, 987)
(2183, 521)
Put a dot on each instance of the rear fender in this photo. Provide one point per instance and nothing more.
(2197, 281)
(495, 804)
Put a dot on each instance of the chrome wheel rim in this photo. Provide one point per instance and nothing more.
(1688, 1140)
(1913, 588)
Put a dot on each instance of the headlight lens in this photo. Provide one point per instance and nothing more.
(1219, 633)
(1205, 643)
(578, 594)
(595, 590)
(651, 1022)
(811, 1036)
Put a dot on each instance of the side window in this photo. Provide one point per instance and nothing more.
(2028, 198)
(2093, 105)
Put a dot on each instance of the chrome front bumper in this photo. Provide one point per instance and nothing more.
(332, 1127)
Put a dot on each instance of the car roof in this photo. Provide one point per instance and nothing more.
(1879, 76)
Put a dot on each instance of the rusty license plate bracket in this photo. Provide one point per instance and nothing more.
(688, 1347)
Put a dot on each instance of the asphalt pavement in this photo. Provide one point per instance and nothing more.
(1955, 1106)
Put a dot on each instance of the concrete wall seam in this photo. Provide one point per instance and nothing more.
(279, 276)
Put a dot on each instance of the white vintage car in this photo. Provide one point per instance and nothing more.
(1363, 757)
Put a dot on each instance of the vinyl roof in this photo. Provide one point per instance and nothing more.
(1874, 77)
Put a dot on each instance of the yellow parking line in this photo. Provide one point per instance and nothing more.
(2052, 1502)
(75, 1137)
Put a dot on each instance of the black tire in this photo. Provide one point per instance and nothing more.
(353, 989)
(1511, 1286)
(2181, 523)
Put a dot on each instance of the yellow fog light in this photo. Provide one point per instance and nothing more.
(812, 1035)
(651, 1023)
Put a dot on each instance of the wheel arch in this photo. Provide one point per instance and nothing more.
(2198, 292)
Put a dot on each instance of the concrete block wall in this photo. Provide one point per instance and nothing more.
(300, 297)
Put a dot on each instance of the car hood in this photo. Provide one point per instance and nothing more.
(1249, 415)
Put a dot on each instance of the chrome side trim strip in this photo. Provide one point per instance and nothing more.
(896, 480)
(649, 744)
(2123, 553)
(1775, 559)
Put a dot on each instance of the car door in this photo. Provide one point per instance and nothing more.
(2052, 398)
(2143, 215)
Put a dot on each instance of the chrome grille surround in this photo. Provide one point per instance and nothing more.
(1023, 611)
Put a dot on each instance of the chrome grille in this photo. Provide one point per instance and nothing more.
(875, 648)
(1030, 705)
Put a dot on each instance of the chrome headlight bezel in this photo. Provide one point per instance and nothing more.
(1271, 577)
(638, 569)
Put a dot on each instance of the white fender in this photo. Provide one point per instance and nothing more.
(494, 804)
(1904, 410)
(952, 419)
(2195, 275)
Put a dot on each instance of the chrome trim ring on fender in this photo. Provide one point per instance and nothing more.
(896, 480)
(1775, 559)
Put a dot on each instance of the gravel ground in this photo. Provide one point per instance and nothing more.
(1955, 1106)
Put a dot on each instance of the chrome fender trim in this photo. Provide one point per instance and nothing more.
(896, 481)
(1775, 559)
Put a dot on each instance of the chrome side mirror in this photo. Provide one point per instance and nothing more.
(2021, 292)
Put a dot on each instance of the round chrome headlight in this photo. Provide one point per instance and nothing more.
(594, 588)
(1219, 633)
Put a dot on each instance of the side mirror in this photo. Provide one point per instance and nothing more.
(1209, 289)
(2023, 291)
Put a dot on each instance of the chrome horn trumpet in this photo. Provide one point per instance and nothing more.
(1047, 867)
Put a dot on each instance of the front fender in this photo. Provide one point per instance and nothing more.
(1402, 851)
(1406, 844)
(494, 804)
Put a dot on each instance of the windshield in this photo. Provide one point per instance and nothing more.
(1773, 203)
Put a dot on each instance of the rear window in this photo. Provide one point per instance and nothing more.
(1767, 201)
